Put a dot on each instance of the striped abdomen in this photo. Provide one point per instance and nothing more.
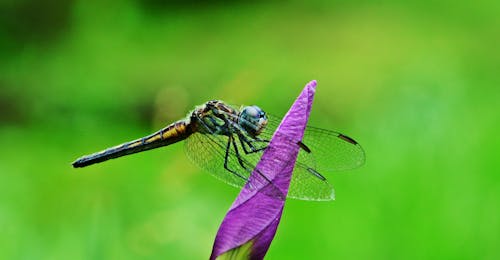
(173, 133)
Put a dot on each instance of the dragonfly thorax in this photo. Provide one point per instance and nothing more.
(215, 117)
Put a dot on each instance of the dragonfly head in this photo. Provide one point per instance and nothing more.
(253, 120)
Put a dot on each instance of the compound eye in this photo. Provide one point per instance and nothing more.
(252, 111)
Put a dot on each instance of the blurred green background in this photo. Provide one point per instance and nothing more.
(415, 82)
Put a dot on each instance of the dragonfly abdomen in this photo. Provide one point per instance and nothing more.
(173, 133)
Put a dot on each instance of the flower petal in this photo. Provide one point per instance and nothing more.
(250, 224)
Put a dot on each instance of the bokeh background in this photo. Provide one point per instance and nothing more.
(415, 82)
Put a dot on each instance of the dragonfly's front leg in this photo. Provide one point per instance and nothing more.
(244, 140)
(226, 160)
(240, 160)
(237, 152)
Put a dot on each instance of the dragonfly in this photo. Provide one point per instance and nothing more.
(228, 141)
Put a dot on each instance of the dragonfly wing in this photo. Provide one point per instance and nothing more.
(208, 152)
(322, 151)
(307, 183)
(332, 150)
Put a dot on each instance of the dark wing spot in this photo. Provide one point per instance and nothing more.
(347, 139)
(316, 174)
(304, 147)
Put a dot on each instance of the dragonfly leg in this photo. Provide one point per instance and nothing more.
(226, 156)
(226, 160)
(240, 160)
(237, 130)
(244, 140)
(237, 152)
(258, 139)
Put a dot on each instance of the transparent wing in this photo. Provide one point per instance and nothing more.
(333, 151)
(330, 150)
(323, 151)
(307, 182)
(306, 185)
(208, 151)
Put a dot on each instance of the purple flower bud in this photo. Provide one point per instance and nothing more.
(250, 224)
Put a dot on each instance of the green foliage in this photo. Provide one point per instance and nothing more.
(415, 83)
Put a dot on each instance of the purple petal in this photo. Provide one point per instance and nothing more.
(255, 214)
